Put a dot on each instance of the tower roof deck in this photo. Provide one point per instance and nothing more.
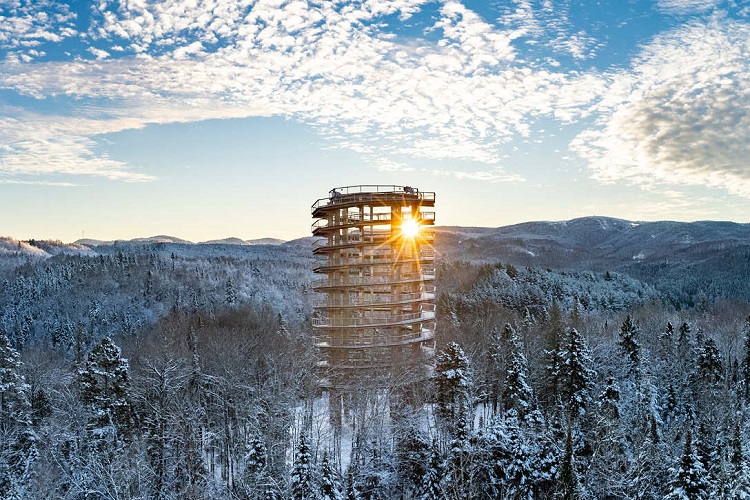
(379, 195)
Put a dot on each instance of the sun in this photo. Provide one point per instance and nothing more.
(410, 228)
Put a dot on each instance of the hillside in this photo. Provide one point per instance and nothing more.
(688, 262)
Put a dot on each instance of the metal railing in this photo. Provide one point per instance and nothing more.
(365, 193)
(368, 238)
(375, 320)
(378, 299)
(390, 261)
(357, 218)
(422, 335)
(427, 274)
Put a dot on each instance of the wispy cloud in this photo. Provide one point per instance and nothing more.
(688, 6)
(680, 114)
(461, 96)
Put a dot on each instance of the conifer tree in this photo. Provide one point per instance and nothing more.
(231, 292)
(18, 444)
(351, 492)
(459, 460)
(431, 488)
(609, 401)
(710, 365)
(301, 482)
(630, 346)
(578, 377)
(14, 398)
(104, 384)
(518, 394)
(746, 359)
(568, 485)
(553, 339)
(453, 382)
(689, 479)
(666, 339)
(328, 487)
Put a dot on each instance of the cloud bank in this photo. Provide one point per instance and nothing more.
(680, 115)
(463, 88)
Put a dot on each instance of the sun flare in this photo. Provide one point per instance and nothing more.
(410, 228)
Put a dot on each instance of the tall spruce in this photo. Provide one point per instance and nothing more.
(517, 395)
(18, 450)
(431, 487)
(553, 339)
(746, 360)
(689, 478)
(104, 385)
(578, 376)
(453, 383)
(329, 489)
(302, 487)
(630, 346)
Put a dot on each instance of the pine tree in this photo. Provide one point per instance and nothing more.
(568, 485)
(578, 377)
(630, 346)
(18, 445)
(453, 381)
(666, 339)
(104, 385)
(14, 399)
(255, 477)
(739, 475)
(710, 365)
(518, 394)
(516, 462)
(746, 360)
(431, 488)
(231, 292)
(351, 492)
(302, 483)
(328, 488)
(553, 339)
(609, 401)
(459, 460)
(689, 480)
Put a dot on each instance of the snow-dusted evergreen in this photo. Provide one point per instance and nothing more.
(164, 371)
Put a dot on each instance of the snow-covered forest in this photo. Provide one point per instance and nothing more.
(185, 371)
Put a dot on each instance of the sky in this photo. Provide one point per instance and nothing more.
(206, 119)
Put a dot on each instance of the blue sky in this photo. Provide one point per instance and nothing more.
(205, 119)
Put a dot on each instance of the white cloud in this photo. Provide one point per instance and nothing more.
(688, 6)
(493, 175)
(24, 25)
(98, 53)
(680, 115)
(460, 97)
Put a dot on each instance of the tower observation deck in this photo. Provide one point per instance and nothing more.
(375, 318)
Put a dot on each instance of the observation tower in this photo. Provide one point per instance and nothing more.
(375, 318)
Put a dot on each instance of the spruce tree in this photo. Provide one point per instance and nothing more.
(518, 395)
(710, 368)
(431, 488)
(104, 385)
(18, 445)
(301, 481)
(746, 360)
(689, 479)
(553, 339)
(568, 485)
(453, 381)
(329, 490)
(14, 397)
(350, 492)
(578, 377)
(631, 348)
